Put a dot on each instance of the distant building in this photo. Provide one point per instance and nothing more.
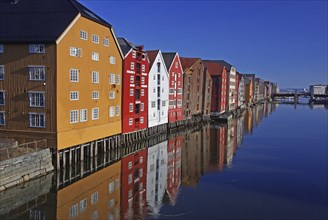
(174, 68)
(319, 89)
(218, 74)
(158, 90)
(249, 88)
(61, 73)
(241, 90)
(135, 84)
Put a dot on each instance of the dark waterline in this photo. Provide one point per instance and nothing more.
(269, 163)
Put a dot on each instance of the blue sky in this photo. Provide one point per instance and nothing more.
(280, 41)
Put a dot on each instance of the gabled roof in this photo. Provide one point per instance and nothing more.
(223, 63)
(187, 62)
(40, 20)
(214, 68)
(152, 55)
(168, 59)
(125, 45)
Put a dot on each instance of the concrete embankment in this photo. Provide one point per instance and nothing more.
(20, 169)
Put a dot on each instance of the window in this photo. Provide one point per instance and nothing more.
(111, 187)
(130, 165)
(117, 183)
(143, 67)
(172, 74)
(153, 104)
(176, 64)
(171, 91)
(37, 99)
(131, 92)
(74, 116)
(180, 102)
(83, 115)
(142, 92)
(2, 97)
(178, 74)
(95, 94)
(95, 39)
(179, 91)
(131, 107)
(141, 160)
(132, 66)
(142, 80)
(74, 75)
(112, 60)
(37, 73)
(154, 90)
(94, 198)
(162, 90)
(134, 54)
(75, 52)
(111, 95)
(130, 121)
(118, 110)
(95, 77)
(83, 35)
(158, 67)
(131, 79)
(140, 173)
(37, 120)
(2, 118)
(111, 111)
(95, 56)
(118, 79)
(163, 103)
(2, 49)
(83, 205)
(141, 120)
(105, 42)
(37, 48)
(2, 72)
(142, 107)
(74, 95)
(74, 211)
(95, 113)
(130, 178)
(111, 78)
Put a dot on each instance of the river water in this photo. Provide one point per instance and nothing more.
(268, 163)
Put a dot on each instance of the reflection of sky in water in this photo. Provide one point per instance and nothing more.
(279, 172)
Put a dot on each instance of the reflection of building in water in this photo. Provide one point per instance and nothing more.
(217, 146)
(94, 197)
(133, 200)
(156, 176)
(174, 167)
(259, 114)
(240, 129)
(248, 124)
(230, 142)
(267, 109)
(191, 159)
(234, 121)
(206, 152)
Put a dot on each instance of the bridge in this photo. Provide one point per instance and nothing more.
(296, 96)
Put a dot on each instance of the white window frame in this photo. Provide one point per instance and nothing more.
(95, 95)
(132, 65)
(83, 35)
(106, 42)
(95, 56)
(130, 121)
(130, 107)
(141, 120)
(111, 111)
(83, 115)
(112, 60)
(131, 79)
(74, 95)
(95, 77)
(37, 73)
(37, 48)
(142, 93)
(74, 75)
(95, 39)
(37, 99)
(95, 113)
(142, 107)
(74, 116)
(131, 92)
(112, 95)
(38, 122)
(142, 80)
(112, 78)
(118, 79)
(118, 110)
(134, 54)
(75, 52)
(153, 104)
(143, 68)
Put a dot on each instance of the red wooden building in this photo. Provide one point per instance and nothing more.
(134, 176)
(218, 74)
(135, 87)
(174, 68)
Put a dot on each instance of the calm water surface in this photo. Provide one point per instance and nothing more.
(269, 163)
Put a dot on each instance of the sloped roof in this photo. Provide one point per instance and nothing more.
(152, 55)
(40, 20)
(168, 59)
(125, 45)
(187, 62)
(223, 62)
(213, 68)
